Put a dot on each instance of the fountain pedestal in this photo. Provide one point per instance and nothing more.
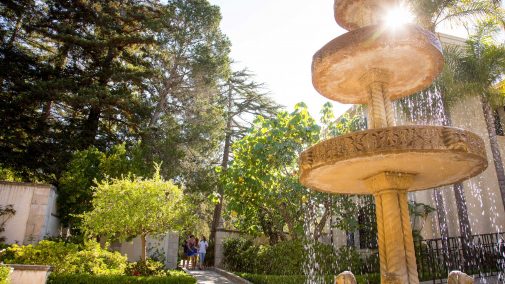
(394, 232)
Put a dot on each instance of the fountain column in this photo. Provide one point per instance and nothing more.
(394, 232)
(380, 108)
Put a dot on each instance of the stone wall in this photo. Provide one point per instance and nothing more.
(221, 236)
(35, 216)
(160, 247)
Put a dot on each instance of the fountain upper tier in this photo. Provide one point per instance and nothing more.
(433, 155)
(411, 55)
(355, 14)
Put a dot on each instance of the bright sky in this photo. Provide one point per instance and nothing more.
(275, 39)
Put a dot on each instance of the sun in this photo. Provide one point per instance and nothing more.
(397, 17)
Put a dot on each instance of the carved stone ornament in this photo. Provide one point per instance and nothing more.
(433, 155)
(458, 277)
(345, 277)
(411, 56)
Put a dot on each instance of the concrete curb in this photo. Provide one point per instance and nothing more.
(230, 276)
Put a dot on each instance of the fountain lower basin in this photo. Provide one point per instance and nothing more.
(433, 155)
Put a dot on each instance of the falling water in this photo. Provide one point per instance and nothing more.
(427, 108)
(311, 267)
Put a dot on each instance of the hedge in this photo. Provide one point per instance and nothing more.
(300, 279)
(4, 274)
(173, 278)
(288, 258)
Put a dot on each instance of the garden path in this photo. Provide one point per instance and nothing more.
(209, 277)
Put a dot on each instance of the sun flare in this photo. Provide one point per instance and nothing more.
(397, 17)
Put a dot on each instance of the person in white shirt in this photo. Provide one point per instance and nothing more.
(202, 249)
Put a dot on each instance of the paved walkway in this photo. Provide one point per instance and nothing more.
(208, 277)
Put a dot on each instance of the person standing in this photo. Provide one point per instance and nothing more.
(202, 250)
(192, 252)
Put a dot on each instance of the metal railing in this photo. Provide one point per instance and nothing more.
(482, 255)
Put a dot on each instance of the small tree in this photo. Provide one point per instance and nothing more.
(133, 206)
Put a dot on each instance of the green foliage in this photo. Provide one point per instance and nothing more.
(240, 255)
(4, 274)
(68, 258)
(348, 258)
(173, 277)
(89, 166)
(9, 175)
(111, 72)
(274, 279)
(283, 258)
(133, 206)
(74, 191)
(146, 267)
(261, 183)
(432, 13)
(301, 279)
(288, 258)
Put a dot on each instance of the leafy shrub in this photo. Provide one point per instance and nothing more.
(285, 258)
(4, 274)
(240, 255)
(174, 277)
(4, 246)
(68, 258)
(271, 279)
(288, 258)
(145, 268)
(347, 258)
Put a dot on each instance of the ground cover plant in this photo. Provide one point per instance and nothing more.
(172, 277)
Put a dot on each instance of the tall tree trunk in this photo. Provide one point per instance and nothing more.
(464, 227)
(319, 227)
(495, 147)
(441, 216)
(59, 62)
(143, 244)
(268, 227)
(168, 86)
(90, 128)
(218, 208)
(17, 27)
(459, 193)
(288, 219)
(442, 224)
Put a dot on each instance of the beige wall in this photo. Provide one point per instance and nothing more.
(35, 216)
(166, 246)
(221, 236)
(482, 194)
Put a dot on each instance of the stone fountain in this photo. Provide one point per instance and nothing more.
(375, 65)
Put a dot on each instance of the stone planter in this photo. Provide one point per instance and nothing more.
(29, 274)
